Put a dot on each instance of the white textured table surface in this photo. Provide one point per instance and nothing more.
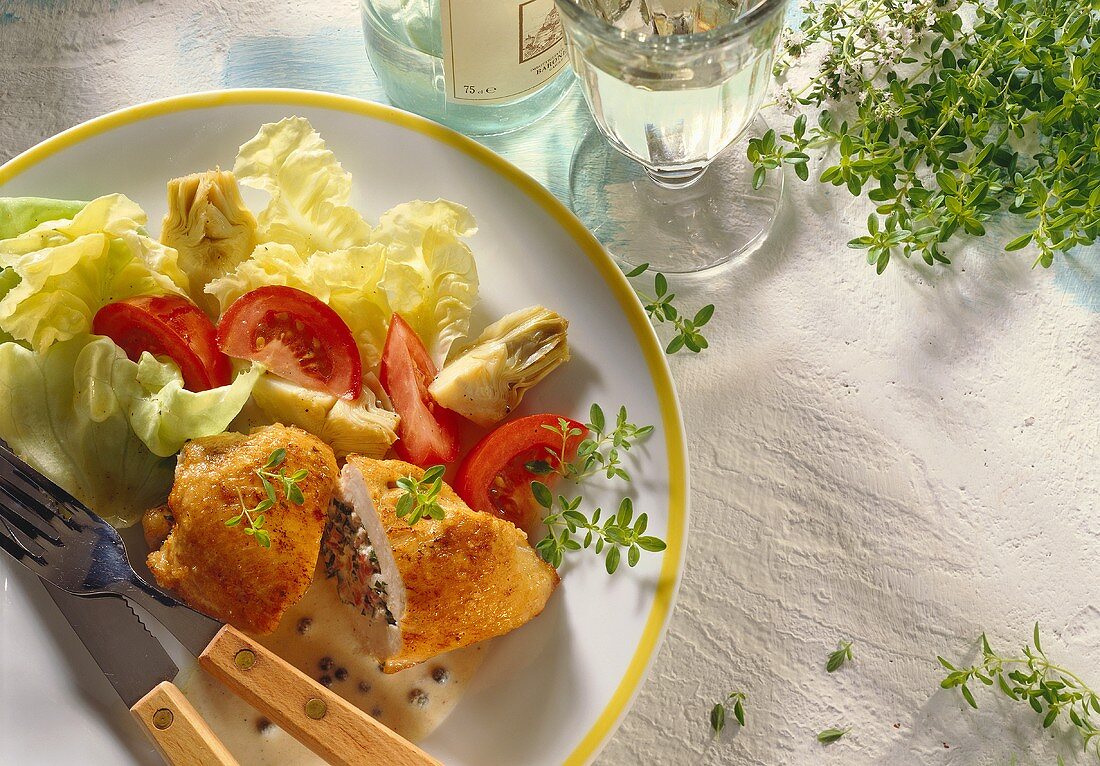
(903, 460)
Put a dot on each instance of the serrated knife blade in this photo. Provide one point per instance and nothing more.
(127, 653)
(141, 672)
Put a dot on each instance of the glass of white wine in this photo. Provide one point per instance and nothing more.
(673, 85)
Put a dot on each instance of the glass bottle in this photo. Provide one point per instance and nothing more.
(478, 66)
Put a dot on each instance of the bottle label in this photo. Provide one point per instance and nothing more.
(498, 50)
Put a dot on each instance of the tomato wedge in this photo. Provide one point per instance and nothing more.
(167, 325)
(296, 336)
(494, 478)
(427, 433)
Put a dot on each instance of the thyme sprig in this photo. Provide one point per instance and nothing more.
(736, 700)
(600, 453)
(419, 498)
(619, 531)
(839, 657)
(944, 123)
(661, 310)
(269, 478)
(1031, 677)
(255, 524)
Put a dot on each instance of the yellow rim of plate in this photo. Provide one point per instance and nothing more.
(668, 581)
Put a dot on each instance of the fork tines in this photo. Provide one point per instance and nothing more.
(16, 548)
(56, 499)
(32, 507)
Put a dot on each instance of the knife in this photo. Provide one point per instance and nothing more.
(141, 672)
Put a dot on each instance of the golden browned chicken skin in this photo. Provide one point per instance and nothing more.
(451, 582)
(156, 523)
(221, 570)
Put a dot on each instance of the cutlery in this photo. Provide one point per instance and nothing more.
(141, 672)
(55, 536)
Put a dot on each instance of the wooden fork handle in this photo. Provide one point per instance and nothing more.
(177, 730)
(320, 719)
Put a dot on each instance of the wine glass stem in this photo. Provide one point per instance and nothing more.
(680, 178)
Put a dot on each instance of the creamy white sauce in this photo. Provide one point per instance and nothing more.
(316, 636)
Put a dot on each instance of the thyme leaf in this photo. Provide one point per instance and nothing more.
(252, 520)
(419, 498)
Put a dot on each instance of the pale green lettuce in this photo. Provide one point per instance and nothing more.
(60, 411)
(413, 263)
(20, 214)
(430, 276)
(165, 415)
(309, 189)
(416, 265)
(8, 280)
(104, 427)
(68, 269)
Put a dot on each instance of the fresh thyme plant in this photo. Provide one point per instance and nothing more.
(829, 736)
(842, 654)
(1031, 677)
(600, 452)
(736, 700)
(619, 531)
(661, 310)
(946, 114)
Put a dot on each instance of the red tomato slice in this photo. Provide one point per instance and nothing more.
(494, 478)
(427, 433)
(295, 336)
(167, 325)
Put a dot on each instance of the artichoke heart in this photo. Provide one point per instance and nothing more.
(488, 379)
(210, 227)
(364, 426)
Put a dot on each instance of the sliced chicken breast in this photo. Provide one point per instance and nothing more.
(434, 586)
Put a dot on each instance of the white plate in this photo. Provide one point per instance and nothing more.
(549, 693)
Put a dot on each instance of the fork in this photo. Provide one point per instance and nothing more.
(56, 536)
(62, 541)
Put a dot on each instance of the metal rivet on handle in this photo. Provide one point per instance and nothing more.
(163, 718)
(244, 659)
(316, 709)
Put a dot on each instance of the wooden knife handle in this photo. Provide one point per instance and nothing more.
(177, 730)
(320, 719)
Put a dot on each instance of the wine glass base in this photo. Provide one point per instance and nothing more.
(676, 231)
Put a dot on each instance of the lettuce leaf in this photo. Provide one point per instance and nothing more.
(68, 269)
(416, 265)
(164, 414)
(102, 426)
(346, 280)
(8, 280)
(430, 276)
(309, 189)
(414, 262)
(20, 214)
(60, 411)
